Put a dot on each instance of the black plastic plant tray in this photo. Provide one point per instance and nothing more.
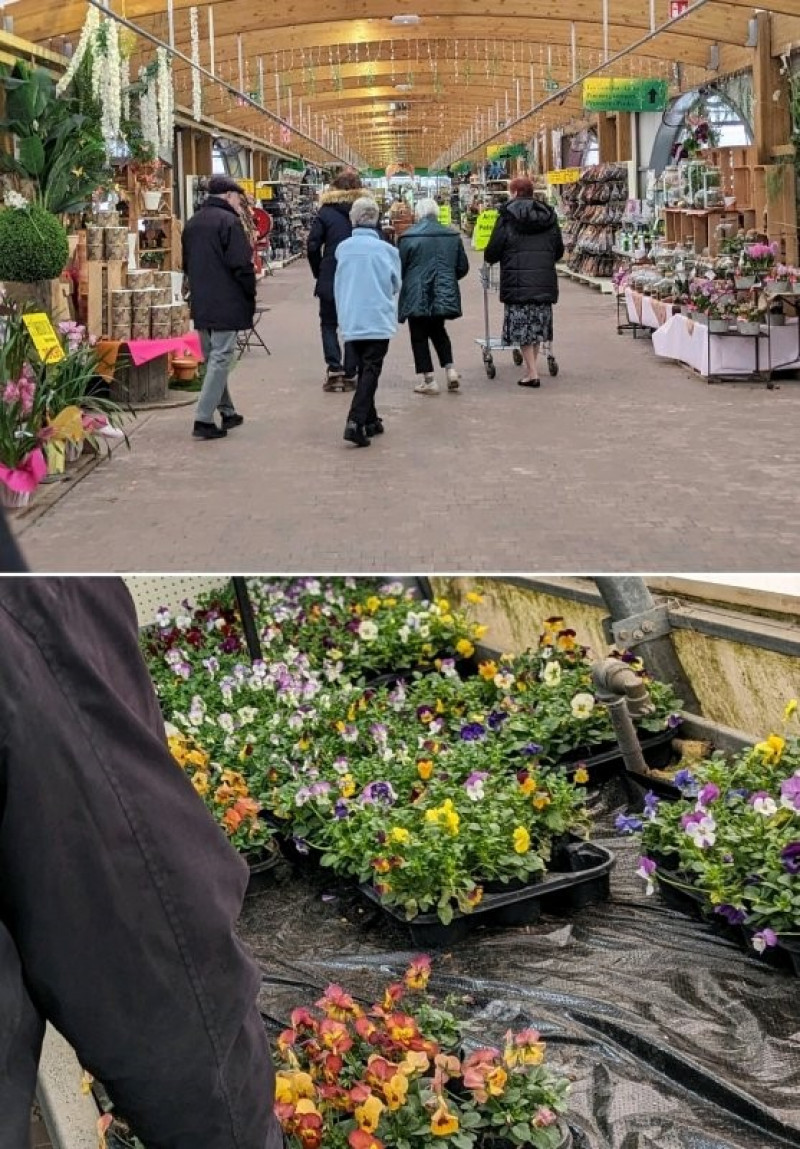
(604, 764)
(694, 904)
(582, 878)
(566, 1141)
(304, 860)
(466, 667)
(261, 866)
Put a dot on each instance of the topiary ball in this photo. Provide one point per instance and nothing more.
(33, 245)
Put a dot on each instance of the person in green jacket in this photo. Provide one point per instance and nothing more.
(433, 260)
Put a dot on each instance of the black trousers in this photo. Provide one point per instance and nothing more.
(426, 329)
(329, 328)
(369, 354)
(118, 893)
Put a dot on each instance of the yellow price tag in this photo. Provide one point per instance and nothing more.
(564, 176)
(484, 226)
(47, 344)
(248, 186)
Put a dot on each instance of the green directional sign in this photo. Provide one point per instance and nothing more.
(630, 94)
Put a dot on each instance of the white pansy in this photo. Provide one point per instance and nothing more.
(424, 631)
(766, 806)
(552, 674)
(225, 722)
(404, 634)
(170, 730)
(504, 680)
(582, 705)
(183, 622)
(247, 715)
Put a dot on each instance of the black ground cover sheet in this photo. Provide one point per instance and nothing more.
(673, 1036)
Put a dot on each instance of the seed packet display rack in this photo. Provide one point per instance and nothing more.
(595, 206)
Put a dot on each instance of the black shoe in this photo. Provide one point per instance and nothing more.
(234, 420)
(354, 433)
(208, 431)
(529, 382)
(375, 428)
(350, 382)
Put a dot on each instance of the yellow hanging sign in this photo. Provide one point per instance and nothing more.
(484, 226)
(47, 344)
(445, 214)
(564, 176)
(248, 187)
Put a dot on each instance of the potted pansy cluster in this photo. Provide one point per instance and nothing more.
(733, 841)
(395, 1075)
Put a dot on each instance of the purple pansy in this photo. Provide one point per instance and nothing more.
(474, 785)
(532, 749)
(674, 721)
(473, 732)
(378, 792)
(790, 792)
(651, 804)
(790, 856)
(708, 794)
(496, 719)
(301, 845)
(764, 939)
(646, 870)
(628, 824)
(341, 809)
(684, 779)
(732, 914)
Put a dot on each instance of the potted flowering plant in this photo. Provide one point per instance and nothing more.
(22, 462)
(748, 319)
(759, 259)
(732, 844)
(780, 281)
(226, 794)
(381, 1077)
(149, 174)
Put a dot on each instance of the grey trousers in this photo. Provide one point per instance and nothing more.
(218, 349)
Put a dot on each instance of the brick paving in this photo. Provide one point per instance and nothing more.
(622, 463)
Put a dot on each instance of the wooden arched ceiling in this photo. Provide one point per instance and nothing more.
(407, 92)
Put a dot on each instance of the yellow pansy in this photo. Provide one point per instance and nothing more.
(373, 604)
(427, 650)
(425, 769)
(791, 708)
(465, 648)
(581, 775)
(200, 782)
(473, 597)
(390, 602)
(368, 1115)
(303, 744)
(347, 786)
(399, 834)
(439, 706)
(479, 630)
(487, 670)
(496, 1082)
(197, 758)
(528, 785)
(772, 749)
(541, 801)
(415, 1061)
(522, 840)
(443, 1122)
(447, 620)
(443, 604)
(395, 1091)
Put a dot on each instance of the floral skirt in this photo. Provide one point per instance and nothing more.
(527, 323)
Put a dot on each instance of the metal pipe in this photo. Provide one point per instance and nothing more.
(626, 596)
(626, 695)
(248, 618)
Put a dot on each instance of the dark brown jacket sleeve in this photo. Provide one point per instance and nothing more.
(118, 893)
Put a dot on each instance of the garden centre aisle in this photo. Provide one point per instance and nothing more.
(623, 461)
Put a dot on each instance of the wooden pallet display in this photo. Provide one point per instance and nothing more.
(101, 280)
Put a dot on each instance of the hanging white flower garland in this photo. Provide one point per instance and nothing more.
(111, 87)
(197, 80)
(166, 101)
(88, 32)
(148, 111)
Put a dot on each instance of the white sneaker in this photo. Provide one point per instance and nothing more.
(428, 386)
(453, 379)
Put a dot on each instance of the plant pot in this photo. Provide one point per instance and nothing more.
(13, 499)
(744, 282)
(796, 288)
(748, 328)
(718, 326)
(565, 1141)
(604, 760)
(777, 319)
(583, 880)
(73, 451)
(152, 200)
(184, 370)
(261, 863)
(779, 287)
(701, 317)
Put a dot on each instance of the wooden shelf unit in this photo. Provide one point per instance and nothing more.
(139, 214)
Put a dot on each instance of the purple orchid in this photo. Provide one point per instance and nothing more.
(628, 824)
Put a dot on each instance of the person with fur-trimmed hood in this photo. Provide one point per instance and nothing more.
(330, 227)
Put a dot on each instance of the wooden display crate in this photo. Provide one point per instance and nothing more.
(101, 280)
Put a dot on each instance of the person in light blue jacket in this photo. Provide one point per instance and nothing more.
(366, 286)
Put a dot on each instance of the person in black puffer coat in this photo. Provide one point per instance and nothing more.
(527, 244)
(332, 225)
(218, 262)
(433, 261)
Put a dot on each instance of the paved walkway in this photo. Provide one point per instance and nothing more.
(622, 463)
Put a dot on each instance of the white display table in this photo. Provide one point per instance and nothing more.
(689, 342)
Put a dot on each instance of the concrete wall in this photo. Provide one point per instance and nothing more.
(738, 685)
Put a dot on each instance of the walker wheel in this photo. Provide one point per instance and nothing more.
(552, 365)
(491, 370)
(517, 355)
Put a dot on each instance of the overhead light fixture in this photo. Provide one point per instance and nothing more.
(410, 18)
(403, 87)
(713, 58)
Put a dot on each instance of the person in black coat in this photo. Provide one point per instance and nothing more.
(119, 893)
(433, 261)
(218, 261)
(526, 242)
(331, 225)
(11, 561)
